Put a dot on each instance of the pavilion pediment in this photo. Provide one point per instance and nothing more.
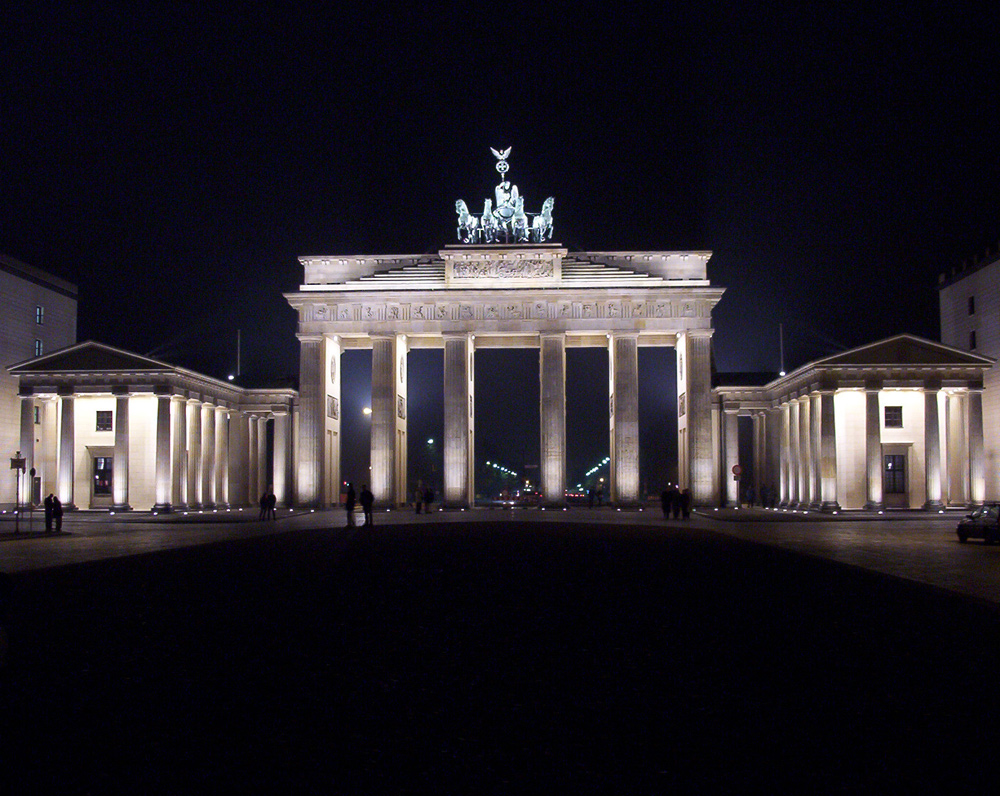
(88, 356)
(903, 350)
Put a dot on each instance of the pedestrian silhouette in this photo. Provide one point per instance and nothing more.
(57, 512)
(367, 499)
(428, 499)
(263, 506)
(48, 513)
(272, 502)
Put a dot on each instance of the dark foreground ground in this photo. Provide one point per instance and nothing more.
(494, 659)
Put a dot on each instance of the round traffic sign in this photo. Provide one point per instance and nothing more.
(737, 469)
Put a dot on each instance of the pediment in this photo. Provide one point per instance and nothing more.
(904, 349)
(88, 356)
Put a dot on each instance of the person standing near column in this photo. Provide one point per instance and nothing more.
(349, 505)
(367, 499)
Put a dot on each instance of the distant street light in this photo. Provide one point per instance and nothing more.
(366, 411)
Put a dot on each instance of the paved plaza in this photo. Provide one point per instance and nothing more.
(919, 546)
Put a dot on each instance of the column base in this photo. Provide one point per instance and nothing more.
(122, 507)
(933, 505)
(163, 508)
(874, 506)
(829, 506)
(817, 506)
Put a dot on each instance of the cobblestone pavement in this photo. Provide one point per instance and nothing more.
(914, 545)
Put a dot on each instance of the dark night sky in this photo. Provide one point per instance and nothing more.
(174, 162)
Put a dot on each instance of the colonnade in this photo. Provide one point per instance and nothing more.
(320, 387)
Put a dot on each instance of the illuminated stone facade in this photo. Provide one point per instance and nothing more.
(38, 314)
(120, 431)
(893, 424)
(468, 298)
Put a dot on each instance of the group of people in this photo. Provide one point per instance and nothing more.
(53, 513)
(268, 502)
(595, 494)
(767, 497)
(676, 503)
(367, 500)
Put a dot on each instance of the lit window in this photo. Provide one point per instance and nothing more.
(104, 421)
(972, 305)
(972, 340)
(38, 348)
(894, 417)
(39, 315)
(38, 415)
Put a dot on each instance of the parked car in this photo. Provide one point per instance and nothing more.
(981, 524)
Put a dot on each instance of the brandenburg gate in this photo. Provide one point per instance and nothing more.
(505, 284)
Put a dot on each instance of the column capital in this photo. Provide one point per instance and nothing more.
(932, 385)
(309, 338)
(66, 391)
(873, 385)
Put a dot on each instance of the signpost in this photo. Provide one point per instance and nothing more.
(17, 464)
(737, 471)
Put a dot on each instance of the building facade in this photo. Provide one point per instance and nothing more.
(37, 315)
(470, 297)
(969, 299)
(109, 429)
(893, 424)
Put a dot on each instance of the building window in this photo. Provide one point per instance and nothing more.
(972, 305)
(39, 315)
(972, 340)
(38, 348)
(38, 415)
(104, 421)
(894, 417)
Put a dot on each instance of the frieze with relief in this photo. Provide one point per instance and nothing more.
(504, 269)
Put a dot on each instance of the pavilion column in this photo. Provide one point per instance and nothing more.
(552, 377)
(459, 439)
(794, 456)
(815, 452)
(805, 457)
(239, 446)
(786, 449)
(67, 450)
(330, 454)
(164, 470)
(311, 423)
(977, 454)
(624, 412)
(27, 445)
(221, 457)
(774, 447)
(282, 457)
(828, 451)
(732, 443)
(208, 456)
(264, 481)
(179, 464)
(695, 352)
(195, 491)
(932, 449)
(388, 458)
(253, 462)
(873, 448)
(955, 460)
(121, 465)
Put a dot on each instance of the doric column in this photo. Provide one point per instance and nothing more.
(282, 457)
(815, 452)
(459, 438)
(27, 444)
(786, 454)
(119, 483)
(794, 454)
(330, 459)
(932, 448)
(731, 440)
(311, 423)
(977, 455)
(624, 411)
(552, 378)
(180, 454)
(221, 457)
(264, 481)
(955, 462)
(195, 491)
(239, 448)
(873, 448)
(388, 459)
(208, 467)
(805, 454)
(253, 462)
(828, 452)
(773, 482)
(67, 448)
(694, 348)
(759, 421)
(164, 471)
